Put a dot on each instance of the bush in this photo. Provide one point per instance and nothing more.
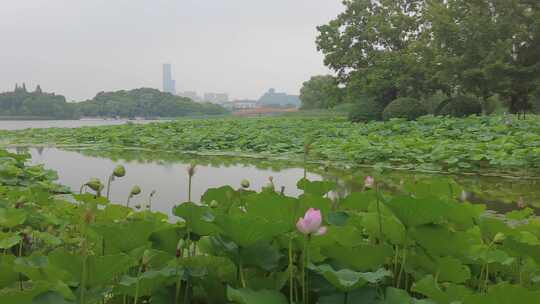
(405, 107)
(460, 106)
(365, 109)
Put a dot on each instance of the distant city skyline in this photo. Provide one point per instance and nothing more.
(242, 47)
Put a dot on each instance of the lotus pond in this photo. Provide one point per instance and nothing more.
(332, 237)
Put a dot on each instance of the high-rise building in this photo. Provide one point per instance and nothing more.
(169, 84)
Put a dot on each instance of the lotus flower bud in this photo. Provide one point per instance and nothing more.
(521, 203)
(191, 170)
(152, 193)
(136, 190)
(310, 224)
(214, 204)
(147, 206)
(95, 184)
(244, 183)
(119, 171)
(146, 257)
(499, 238)
(369, 182)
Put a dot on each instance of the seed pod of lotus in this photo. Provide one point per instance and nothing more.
(138, 206)
(95, 184)
(136, 190)
(146, 257)
(244, 183)
(147, 206)
(119, 171)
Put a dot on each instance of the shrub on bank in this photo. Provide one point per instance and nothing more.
(460, 106)
(366, 109)
(405, 107)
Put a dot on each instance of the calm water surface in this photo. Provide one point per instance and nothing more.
(167, 174)
(168, 178)
(40, 124)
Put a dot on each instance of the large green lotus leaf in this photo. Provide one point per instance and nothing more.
(505, 294)
(522, 249)
(10, 218)
(210, 266)
(273, 207)
(166, 239)
(359, 258)
(400, 296)
(148, 282)
(198, 218)
(452, 270)
(246, 230)
(413, 212)
(316, 188)
(101, 270)
(348, 236)
(441, 241)
(366, 294)
(263, 255)
(7, 274)
(276, 280)
(464, 216)
(113, 213)
(490, 226)
(37, 268)
(433, 187)
(358, 201)
(392, 229)
(26, 296)
(51, 297)
(347, 280)
(125, 237)
(248, 296)
(224, 196)
(47, 238)
(8, 240)
(451, 294)
(487, 254)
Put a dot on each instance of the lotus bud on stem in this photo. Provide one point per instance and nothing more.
(118, 172)
(136, 190)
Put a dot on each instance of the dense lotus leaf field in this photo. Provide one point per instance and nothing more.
(487, 144)
(420, 243)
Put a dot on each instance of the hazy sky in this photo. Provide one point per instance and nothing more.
(80, 47)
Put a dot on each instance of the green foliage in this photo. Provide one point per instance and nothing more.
(36, 105)
(320, 92)
(366, 109)
(414, 48)
(405, 107)
(145, 103)
(246, 249)
(460, 106)
(473, 144)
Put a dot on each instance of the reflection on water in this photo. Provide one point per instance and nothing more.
(41, 124)
(168, 178)
(166, 173)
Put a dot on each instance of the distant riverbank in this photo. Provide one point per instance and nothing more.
(41, 124)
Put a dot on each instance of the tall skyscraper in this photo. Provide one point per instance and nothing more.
(169, 84)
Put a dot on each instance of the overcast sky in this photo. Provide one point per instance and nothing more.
(80, 47)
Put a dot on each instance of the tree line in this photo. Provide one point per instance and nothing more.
(149, 103)
(456, 51)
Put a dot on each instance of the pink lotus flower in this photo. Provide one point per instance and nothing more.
(369, 181)
(311, 223)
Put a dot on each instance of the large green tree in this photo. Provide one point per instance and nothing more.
(320, 92)
(395, 48)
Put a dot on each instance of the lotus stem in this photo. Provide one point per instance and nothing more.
(109, 181)
(379, 212)
(291, 273)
